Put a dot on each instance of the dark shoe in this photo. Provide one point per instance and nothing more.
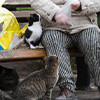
(64, 96)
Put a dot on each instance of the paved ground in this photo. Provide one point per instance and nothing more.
(81, 94)
(25, 67)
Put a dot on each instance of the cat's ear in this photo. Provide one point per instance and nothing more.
(31, 15)
(56, 59)
(45, 61)
(44, 58)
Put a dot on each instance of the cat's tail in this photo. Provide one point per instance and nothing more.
(5, 96)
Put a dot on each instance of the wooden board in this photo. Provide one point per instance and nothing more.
(27, 54)
(75, 53)
(22, 14)
(17, 3)
(12, 55)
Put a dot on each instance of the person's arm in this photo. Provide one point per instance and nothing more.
(89, 7)
(46, 8)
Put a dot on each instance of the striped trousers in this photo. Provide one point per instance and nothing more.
(87, 42)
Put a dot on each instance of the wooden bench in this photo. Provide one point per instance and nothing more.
(25, 54)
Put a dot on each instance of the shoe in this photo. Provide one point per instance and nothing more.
(64, 95)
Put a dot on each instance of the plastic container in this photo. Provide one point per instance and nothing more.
(66, 8)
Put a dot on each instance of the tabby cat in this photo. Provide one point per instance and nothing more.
(38, 83)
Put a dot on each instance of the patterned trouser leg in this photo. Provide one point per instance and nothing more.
(55, 43)
(87, 41)
(89, 44)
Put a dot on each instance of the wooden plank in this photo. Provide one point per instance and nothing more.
(27, 54)
(12, 55)
(75, 53)
(16, 3)
(22, 14)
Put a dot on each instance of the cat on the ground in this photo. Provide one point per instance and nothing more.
(37, 84)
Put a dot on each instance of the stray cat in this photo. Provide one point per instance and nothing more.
(9, 78)
(34, 31)
(37, 84)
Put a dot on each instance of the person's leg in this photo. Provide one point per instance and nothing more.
(83, 75)
(89, 44)
(56, 43)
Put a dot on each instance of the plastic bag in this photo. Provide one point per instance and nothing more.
(66, 8)
(10, 32)
(1, 2)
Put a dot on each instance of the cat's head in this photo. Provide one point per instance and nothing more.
(34, 18)
(50, 62)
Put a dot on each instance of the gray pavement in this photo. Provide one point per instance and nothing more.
(81, 94)
(25, 67)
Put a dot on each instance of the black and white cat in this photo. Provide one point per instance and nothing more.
(33, 33)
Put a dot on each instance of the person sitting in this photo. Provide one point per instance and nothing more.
(59, 36)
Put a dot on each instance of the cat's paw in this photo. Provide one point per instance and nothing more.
(34, 47)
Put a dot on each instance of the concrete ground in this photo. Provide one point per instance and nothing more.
(25, 67)
(81, 94)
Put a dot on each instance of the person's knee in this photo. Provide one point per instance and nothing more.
(89, 39)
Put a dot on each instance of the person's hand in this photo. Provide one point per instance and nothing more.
(76, 5)
(61, 18)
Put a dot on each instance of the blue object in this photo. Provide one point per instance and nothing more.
(1, 48)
